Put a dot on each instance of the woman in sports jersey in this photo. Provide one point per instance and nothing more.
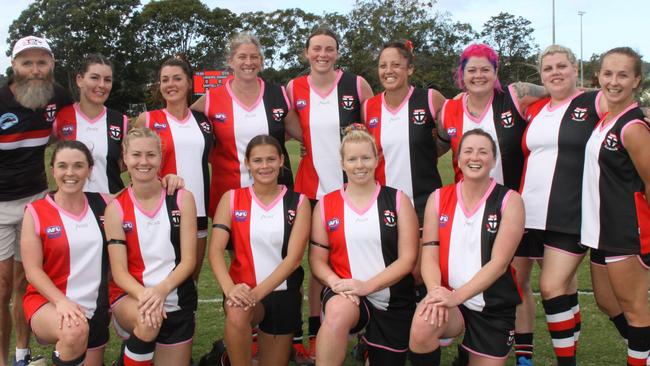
(554, 144)
(402, 121)
(616, 199)
(152, 251)
(471, 231)
(324, 103)
(90, 122)
(268, 226)
(63, 251)
(364, 247)
(186, 138)
(244, 107)
(499, 111)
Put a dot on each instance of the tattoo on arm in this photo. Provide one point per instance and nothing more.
(529, 89)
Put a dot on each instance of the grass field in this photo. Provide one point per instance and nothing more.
(600, 344)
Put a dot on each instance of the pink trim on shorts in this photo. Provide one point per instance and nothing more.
(484, 355)
(384, 347)
(175, 344)
(96, 348)
(638, 257)
(562, 251)
(598, 264)
(618, 258)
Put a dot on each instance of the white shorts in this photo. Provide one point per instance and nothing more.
(11, 222)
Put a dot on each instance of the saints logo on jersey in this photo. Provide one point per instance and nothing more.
(277, 113)
(50, 113)
(176, 218)
(291, 216)
(611, 142)
(492, 224)
(389, 218)
(205, 126)
(506, 119)
(115, 132)
(419, 116)
(579, 114)
(347, 102)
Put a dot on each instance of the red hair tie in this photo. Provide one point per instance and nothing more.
(409, 46)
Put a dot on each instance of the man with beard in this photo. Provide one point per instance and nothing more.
(28, 106)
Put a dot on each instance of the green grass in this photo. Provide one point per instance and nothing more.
(599, 343)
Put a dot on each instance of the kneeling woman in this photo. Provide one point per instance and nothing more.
(364, 247)
(62, 245)
(471, 232)
(152, 251)
(268, 226)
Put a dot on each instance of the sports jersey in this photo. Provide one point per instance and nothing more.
(103, 136)
(554, 149)
(24, 134)
(363, 242)
(185, 148)
(234, 125)
(466, 242)
(405, 139)
(323, 118)
(74, 254)
(260, 236)
(153, 246)
(502, 119)
(613, 192)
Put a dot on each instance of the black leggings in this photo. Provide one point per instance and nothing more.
(383, 357)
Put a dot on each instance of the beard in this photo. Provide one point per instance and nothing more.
(33, 93)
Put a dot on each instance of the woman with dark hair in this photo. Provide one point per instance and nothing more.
(499, 111)
(268, 226)
(152, 251)
(363, 249)
(186, 137)
(64, 255)
(324, 103)
(616, 201)
(471, 231)
(90, 122)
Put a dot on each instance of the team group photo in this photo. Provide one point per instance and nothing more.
(181, 185)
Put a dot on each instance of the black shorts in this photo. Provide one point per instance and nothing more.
(98, 332)
(533, 243)
(202, 223)
(387, 329)
(599, 257)
(281, 312)
(489, 334)
(177, 328)
(312, 203)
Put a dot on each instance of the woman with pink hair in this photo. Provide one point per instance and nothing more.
(499, 111)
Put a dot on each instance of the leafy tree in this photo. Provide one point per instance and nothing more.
(511, 36)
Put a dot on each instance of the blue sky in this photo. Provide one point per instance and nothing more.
(606, 24)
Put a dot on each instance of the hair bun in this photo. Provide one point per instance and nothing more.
(354, 127)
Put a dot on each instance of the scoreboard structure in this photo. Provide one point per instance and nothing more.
(204, 80)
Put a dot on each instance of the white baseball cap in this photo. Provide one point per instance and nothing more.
(30, 42)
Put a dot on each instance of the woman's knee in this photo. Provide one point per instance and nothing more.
(339, 316)
(74, 337)
(238, 318)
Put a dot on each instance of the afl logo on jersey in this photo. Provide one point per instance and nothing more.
(333, 224)
(159, 126)
(291, 216)
(579, 114)
(7, 120)
(389, 218)
(67, 130)
(205, 126)
(492, 224)
(50, 113)
(277, 113)
(241, 215)
(373, 122)
(176, 218)
(127, 226)
(506, 119)
(419, 116)
(611, 142)
(115, 132)
(347, 102)
(301, 104)
(444, 219)
(220, 117)
(53, 232)
(451, 132)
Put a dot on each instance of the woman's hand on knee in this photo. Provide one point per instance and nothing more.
(69, 313)
(240, 296)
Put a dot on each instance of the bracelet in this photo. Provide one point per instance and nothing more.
(434, 243)
(319, 245)
(116, 241)
(222, 227)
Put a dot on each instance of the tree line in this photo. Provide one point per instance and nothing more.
(137, 38)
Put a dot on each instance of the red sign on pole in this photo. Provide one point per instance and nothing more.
(203, 80)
